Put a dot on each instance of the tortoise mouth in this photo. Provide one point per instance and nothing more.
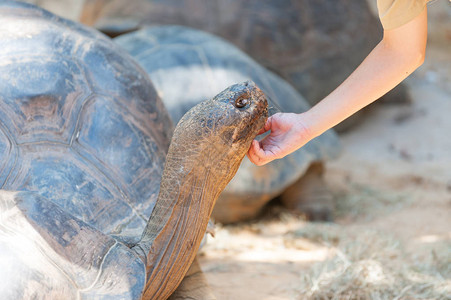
(261, 106)
(260, 118)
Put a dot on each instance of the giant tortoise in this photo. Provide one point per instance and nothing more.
(83, 139)
(313, 44)
(188, 65)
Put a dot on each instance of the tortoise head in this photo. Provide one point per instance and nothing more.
(222, 128)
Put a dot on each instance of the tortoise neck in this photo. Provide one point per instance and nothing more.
(188, 192)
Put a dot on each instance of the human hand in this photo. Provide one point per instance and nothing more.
(288, 133)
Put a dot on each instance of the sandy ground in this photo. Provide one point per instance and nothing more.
(393, 177)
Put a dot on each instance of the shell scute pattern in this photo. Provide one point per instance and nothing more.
(121, 148)
(80, 122)
(42, 103)
(9, 153)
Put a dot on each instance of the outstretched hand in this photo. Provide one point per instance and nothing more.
(288, 133)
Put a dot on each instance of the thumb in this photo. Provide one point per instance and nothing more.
(256, 154)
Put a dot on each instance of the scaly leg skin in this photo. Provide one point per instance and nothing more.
(311, 195)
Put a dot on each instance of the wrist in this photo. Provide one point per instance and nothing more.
(307, 121)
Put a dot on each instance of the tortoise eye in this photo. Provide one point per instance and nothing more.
(241, 102)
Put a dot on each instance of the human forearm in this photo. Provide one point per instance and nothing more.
(399, 53)
(380, 72)
(391, 61)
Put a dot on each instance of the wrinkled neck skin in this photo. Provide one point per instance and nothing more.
(196, 172)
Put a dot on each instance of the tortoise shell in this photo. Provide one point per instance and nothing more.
(313, 44)
(80, 122)
(188, 66)
(83, 138)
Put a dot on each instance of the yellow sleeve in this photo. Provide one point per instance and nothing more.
(394, 13)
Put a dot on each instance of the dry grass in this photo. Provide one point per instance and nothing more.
(366, 264)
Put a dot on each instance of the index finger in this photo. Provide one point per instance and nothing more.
(267, 126)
